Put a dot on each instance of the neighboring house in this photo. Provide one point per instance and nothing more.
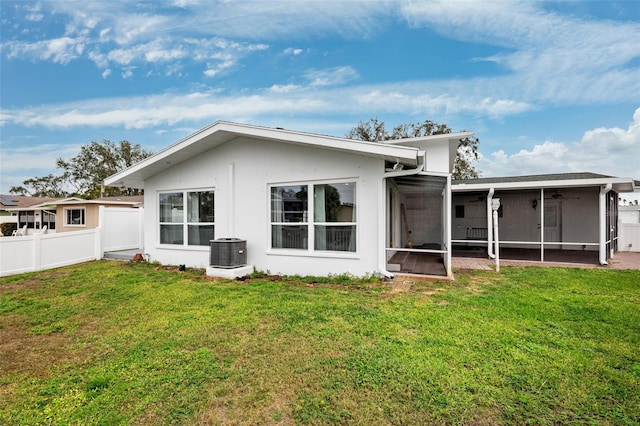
(546, 213)
(317, 205)
(76, 214)
(62, 214)
(34, 212)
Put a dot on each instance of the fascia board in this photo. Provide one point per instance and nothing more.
(221, 132)
(46, 204)
(444, 136)
(30, 208)
(621, 184)
(161, 156)
(100, 203)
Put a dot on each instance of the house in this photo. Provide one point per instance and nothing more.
(61, 214)
(34, 212)
(74, 214)
(541, 217)
(316, 205)
(304, 203)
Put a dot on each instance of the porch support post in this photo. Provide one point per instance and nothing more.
(602, 239)
(447, 226)
(382, 229)
(490, 224)
(541, 224)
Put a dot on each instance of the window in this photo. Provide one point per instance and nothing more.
(289, 214)
(330, 227)
(74, 217)
(193, 225)
(49, 219)
(459, 211)
(37, 221)
(26, 217)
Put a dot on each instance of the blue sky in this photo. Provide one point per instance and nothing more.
(547, 87)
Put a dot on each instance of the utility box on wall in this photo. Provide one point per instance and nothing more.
(228, 253)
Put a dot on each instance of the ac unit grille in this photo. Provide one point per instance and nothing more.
(228, 253)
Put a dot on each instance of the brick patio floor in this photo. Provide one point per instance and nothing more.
(622, 260)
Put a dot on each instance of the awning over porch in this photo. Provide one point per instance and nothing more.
(575, 211)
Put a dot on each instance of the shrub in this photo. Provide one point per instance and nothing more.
(8, 228)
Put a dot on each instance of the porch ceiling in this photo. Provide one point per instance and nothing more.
(420, 183)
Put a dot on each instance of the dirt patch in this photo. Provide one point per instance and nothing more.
(29, 354)
(33, 282)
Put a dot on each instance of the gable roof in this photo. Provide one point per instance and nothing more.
(23, 202)
(132, 200)
(222, 132)
(556, 180)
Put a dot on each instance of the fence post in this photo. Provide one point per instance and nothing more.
(141, 224)
(98, 243)
(37, 252)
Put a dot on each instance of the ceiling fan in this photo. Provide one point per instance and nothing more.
(558, 196)
(480, 199)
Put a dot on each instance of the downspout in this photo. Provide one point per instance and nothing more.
(603, 223)
(382, 207)
(490, 224)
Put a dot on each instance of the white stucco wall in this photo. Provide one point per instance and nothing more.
(242, 211)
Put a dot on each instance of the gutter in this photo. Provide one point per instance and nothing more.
(422, 160)
(382, 261)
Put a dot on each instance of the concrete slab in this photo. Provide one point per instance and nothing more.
(230, 273)
(121, 254)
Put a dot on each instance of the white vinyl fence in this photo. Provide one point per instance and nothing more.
(38, 251)
(122, 230)
(629, 237)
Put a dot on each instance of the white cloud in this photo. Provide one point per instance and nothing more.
(106, 73)
(34, 17)
(332, 76)
(279, 88)
(127, 72)
(19, 162)
(142, 112)
(58, 50)
(549, 57)
(610, 151)
(293, 51)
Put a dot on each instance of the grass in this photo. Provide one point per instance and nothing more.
(123, 343)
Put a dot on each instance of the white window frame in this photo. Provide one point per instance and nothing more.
(311, 223)
(66, 211)
(185, 216)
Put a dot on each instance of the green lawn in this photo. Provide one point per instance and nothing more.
(122, 343)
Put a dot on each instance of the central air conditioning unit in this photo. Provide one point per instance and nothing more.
(228, 253)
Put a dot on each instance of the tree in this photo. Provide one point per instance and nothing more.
(374, 130)
(83, 174)
(45, 186)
